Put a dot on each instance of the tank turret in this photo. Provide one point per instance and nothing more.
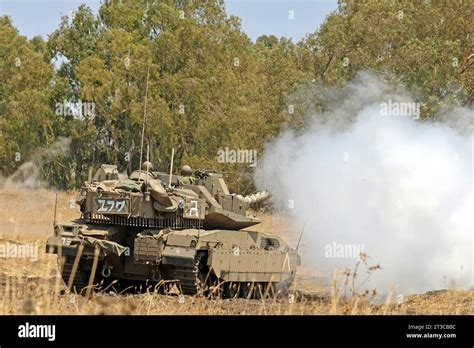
(151, 199)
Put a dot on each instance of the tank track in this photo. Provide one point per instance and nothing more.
(81, 278)
(187, 280)
(198, 280)
(195, 280)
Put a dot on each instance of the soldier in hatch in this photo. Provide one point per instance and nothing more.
(186, 176)
(147, 166)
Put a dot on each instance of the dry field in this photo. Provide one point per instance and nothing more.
(34, 286)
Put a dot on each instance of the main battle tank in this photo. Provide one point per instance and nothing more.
(174, 232)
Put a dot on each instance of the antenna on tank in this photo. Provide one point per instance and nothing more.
(301, 235)
(55, 208)
(199, 229)
(148, 160)
(144, 115)
(171, 167)
(147, 192)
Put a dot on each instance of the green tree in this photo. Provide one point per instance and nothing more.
(26, 120)
(418, 43)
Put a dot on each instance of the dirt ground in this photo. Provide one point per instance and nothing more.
(32, 285)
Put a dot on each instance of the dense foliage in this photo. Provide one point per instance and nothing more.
(209, 86)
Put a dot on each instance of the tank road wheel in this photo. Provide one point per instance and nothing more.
(214, 288)
(258, 291)
(207, 282)
(269, 290)
(209, 285)
(232, 289)
(263, 290)
(81, 277)
(247, 290)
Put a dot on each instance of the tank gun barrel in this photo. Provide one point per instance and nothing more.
(254, 198)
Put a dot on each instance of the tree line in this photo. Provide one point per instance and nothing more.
(209, 86)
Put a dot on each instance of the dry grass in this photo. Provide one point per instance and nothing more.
(35, 287)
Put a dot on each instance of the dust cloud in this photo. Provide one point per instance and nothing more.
(28, 174)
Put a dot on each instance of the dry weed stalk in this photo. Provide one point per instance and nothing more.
(350, 303)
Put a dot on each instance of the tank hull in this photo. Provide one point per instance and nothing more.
(212, 263)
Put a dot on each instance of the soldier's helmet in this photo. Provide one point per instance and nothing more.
(186, 170)
(147, 166)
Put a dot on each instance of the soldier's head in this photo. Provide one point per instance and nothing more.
(147, 166)
(186, 170)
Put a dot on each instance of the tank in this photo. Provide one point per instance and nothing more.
(175, 233)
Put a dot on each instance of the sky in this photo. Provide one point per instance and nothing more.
(289, 18)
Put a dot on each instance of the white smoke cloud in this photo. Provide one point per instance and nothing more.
(401, 188)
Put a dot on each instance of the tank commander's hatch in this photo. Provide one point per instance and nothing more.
(107, 172)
